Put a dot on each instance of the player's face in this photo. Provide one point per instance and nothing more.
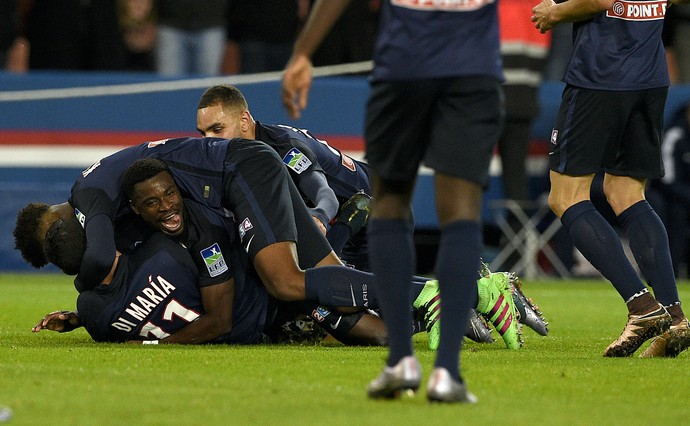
(159, 203)
(216, 122)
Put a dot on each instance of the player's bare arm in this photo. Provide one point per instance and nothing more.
(298, 72)
(217, 321)
(549, 13)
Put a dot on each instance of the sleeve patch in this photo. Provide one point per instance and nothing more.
(213, 258)
(297, 161)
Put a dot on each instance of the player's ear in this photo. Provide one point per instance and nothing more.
(131, 206)
(246, 119)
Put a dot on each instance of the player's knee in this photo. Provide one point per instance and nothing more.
(556, 204)
(619, 202)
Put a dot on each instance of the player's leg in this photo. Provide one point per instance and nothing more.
(585, 138)
(396, 139)
(270, 215)
(649, 243)
(641, 155)
(466, 125)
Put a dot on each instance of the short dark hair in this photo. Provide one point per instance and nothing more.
(224, 94)
(141, 170)
(26, 234)
(65, 245)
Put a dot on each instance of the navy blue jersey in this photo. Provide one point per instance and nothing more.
(209, 241)
(98, 190)
(153, 294)
(99, 201)
(214, 245)
(620, 49)
(302, 151)
(208, 171)
(422, 39)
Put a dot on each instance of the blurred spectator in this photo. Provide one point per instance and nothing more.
(14, 53)
(191, 36)
(138, 25)
(670, 195)
(8, 27)
(676, 36)
(72, 34)
(523, 51)
(352, 37)
(261, 34)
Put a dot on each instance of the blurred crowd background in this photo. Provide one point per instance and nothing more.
(193, 38)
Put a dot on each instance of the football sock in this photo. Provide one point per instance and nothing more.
(600, 245)
(642, 303)
(393, 269)
(676, 313)
(337, 236)
(340, 286)
(649, 244)
(457, 269)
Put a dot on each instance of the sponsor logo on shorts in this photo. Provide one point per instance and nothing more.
(245, 226)
(554, 136)
(213, 258)
(637, 10)
(297, 161)
(445, 5)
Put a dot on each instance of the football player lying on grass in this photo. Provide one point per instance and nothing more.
(152, 295)
(154, 185)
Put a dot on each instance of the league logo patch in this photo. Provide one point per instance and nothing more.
(245, 226)
(554, 136)
(320, 313)
(214, 260)
(81, 217)
(296, 160)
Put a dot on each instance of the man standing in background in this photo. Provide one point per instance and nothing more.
(436, 98)
(611, 120)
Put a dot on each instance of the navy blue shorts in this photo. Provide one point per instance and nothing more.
(266, 204)
(618, 132)
(451, 124)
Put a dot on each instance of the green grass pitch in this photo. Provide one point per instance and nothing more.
(561, 379)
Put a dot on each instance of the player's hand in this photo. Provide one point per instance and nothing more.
(297, 80)
(320, 225)
(541, 16)
(60, 321)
